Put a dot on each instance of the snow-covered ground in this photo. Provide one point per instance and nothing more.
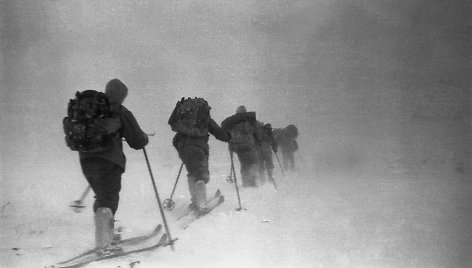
(410, 211)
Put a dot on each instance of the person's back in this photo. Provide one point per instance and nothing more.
(193, 150)
(286, 140)
(267, 146)
(116, 92)
(103, 170)
(181, 139)
(268, 138)
(245, 139)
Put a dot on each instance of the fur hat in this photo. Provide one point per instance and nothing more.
(241, 109)
(116, 91)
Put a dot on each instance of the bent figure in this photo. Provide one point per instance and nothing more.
(286, 140)
(103, 170)
(193, 150)
(245, 138)
(266, 147)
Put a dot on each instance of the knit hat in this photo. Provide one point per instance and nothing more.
(116, 91)
(241, 109)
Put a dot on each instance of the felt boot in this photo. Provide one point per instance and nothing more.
(191, 188)
(104, 224)
(200, 198)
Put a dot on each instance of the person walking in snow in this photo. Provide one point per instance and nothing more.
(192, 121)
(266, 147)
(245, 139)
(103, 169)
(286, 139)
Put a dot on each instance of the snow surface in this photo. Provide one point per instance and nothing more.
(380, 91)
(402, 215)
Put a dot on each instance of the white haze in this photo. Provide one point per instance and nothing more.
(379, 90)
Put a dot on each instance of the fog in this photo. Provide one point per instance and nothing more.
(368, 83)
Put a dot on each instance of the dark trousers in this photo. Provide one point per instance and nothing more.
(195, 160)
(248, 156)
(265, 160)
(105, 179)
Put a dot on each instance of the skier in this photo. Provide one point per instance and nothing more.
(266, 147)
(245, 139)
(191, 143)
(286, 139)
(103, 170)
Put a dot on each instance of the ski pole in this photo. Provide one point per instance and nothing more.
(229, 179)
(273, 181)
(169, 203)
(280, 165)
(171, 242)
(235, 181)
(78, 205)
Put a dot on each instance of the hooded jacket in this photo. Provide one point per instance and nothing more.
(129, 129)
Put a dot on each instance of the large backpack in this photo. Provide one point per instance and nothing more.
(242, 132)
(90, 125)
(191, 117)
(292, 131)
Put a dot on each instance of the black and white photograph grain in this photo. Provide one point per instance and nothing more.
(236, 134)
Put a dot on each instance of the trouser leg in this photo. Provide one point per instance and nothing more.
(105, 179)
(196, 162)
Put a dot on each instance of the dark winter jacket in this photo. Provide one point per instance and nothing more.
(180, 140)
(285, 139)
(268, 137)
(116, 92)
(231, 122)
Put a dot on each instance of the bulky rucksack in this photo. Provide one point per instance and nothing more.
(292, 131)
(242, 132)
(191, 117)
(90, 125)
